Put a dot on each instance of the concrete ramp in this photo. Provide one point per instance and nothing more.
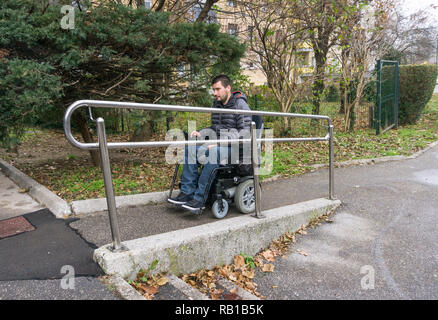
(207, 245)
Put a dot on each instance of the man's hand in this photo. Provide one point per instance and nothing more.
(195, 133)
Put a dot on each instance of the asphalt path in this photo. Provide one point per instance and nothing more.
(50, 262)
(382, 243)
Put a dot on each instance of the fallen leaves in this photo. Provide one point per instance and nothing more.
(242, 271)
(162, 281)
(268, 255)
(205, 281)
(249, 273)
(148, 286)
(277, 248)
(302, 252)
(302, 230)
(268, 267)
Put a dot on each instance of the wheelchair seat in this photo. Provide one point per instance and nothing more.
(231, 182)
(259, 130)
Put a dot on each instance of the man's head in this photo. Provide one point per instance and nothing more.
(221, 88)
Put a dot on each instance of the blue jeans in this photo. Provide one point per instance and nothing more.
(190, 182)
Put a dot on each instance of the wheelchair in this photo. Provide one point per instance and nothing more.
(228, 184)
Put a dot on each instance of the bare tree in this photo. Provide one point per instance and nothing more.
(361, 45)
(274, 38)
(412, 36)
(325, 21)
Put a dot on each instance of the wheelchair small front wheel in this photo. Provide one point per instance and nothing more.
(218, 210)
(244, 198)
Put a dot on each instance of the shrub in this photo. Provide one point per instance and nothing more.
(114, 52)
(416, 86)
(332, 94)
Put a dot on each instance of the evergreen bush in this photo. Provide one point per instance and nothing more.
(416, 86)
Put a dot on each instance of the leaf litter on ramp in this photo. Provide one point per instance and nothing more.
(242, 269)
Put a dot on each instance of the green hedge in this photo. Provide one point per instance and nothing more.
(416, 86)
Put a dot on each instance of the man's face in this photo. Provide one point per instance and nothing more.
(221, 93)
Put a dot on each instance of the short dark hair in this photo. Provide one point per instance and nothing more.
(223, 79)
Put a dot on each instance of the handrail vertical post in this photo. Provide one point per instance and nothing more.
(255, 164)
(109, 189)
(331, 163)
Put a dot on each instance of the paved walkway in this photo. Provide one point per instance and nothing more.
(40, 254)
(382, 243)
(14, 201)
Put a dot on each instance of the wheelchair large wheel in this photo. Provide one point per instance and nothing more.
(217, 211)
(244, 198)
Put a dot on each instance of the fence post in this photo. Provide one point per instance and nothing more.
(396, 96)
(109, 189)
(255, 164)
(378, 108)
(331, 164)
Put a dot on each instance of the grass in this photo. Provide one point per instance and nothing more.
(78, 183)
(292, 159)
(74, 181)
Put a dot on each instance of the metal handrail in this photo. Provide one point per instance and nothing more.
(162, 107)
(103, 145)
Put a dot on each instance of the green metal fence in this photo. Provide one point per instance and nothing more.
(386, 109)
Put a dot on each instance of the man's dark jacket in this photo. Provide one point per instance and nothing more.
(231, 125)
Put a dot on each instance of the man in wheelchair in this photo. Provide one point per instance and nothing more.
(194, 187)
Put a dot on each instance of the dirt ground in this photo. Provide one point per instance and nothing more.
(47, 157)
(45, 147)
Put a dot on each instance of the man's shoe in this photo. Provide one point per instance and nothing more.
(193, 205)
(180, 199)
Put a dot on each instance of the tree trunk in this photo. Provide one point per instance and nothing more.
(341, 92)
(285, 128)
(318, 84)
(81, 122)
(204, 12)
(160, 5)
(143, 133)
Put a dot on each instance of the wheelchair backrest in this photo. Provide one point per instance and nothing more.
(259, 124)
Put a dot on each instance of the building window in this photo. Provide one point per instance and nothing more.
(232, 29)
(148, 4)
(181, 69)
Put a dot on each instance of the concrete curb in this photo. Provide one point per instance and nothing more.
(211, 244)
(95, 205)
(245, 295)
(123, 288)
(45, 197)
(187, 290)
(376, 160)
